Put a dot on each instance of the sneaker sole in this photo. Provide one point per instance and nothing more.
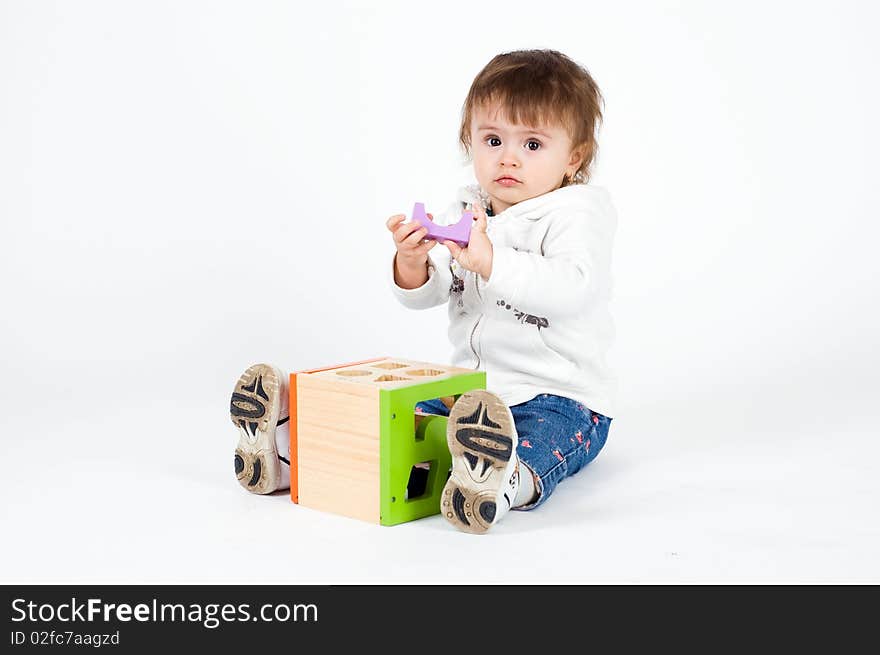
(482, 441)
(254, 408)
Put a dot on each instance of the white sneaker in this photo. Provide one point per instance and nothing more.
(485, 473)
(258, 406)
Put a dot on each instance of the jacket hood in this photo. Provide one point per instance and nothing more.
(575, 197)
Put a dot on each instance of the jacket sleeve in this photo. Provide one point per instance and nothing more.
(433, 292)
(570, 269)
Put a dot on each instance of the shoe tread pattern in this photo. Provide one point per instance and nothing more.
(254, 409)
(481, 437)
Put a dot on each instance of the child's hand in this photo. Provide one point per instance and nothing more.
(477, 256)
(412, 251)
(411, 260)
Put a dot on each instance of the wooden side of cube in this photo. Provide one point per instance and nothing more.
(294, 464)
(338, 447)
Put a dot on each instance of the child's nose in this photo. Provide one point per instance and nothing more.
(510, 156)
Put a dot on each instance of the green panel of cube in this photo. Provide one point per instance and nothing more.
(407, 491)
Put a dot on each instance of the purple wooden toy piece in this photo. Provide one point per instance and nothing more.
(459, 232)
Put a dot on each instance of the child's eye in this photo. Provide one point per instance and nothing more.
(533, 145)
(493, 141)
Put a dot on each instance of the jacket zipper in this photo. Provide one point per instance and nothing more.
(477, 324)
(480, 296)
(473, 349)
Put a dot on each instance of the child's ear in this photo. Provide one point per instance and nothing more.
(577, 156)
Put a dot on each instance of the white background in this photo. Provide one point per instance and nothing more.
(187, 188)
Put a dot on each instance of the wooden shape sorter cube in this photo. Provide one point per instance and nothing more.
(355, 448)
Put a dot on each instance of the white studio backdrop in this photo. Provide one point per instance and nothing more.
(190, 187)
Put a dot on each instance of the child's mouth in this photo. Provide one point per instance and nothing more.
(507, 181)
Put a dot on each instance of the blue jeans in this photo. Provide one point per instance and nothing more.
(557, 438)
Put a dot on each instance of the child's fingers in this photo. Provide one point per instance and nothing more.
(394, 221)
(405, 230)
(454, 248)
(416, 237)
(425, 247)
(480, 221)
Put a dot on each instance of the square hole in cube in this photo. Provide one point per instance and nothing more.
(419, 477)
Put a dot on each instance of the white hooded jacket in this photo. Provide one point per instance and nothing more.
(541, 323)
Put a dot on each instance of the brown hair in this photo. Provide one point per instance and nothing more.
(539, 86)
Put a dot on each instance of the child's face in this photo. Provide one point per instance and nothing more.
(516, 162)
